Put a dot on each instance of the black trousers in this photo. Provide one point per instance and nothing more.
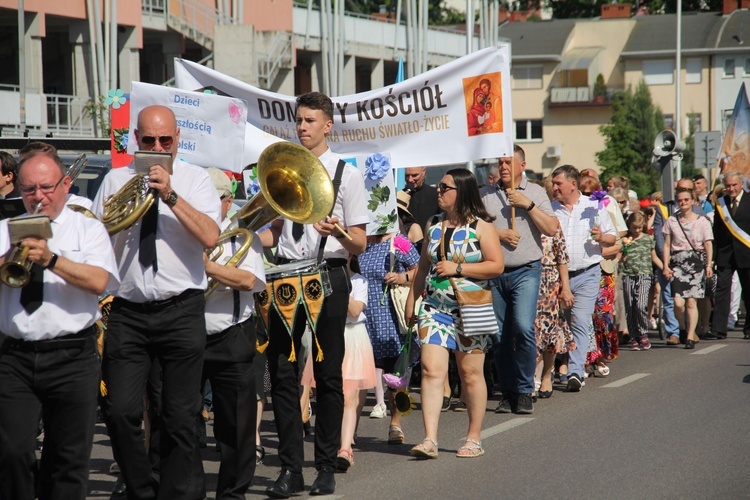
(62, 386)
(722, 297)
(285, 388)
(228, 364)
(175, 334)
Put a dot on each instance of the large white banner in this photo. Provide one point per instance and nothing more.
(212, 127)
(455, 113)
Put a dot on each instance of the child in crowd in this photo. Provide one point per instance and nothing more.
(637, 273)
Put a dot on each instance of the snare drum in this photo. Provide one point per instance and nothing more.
(290, 269)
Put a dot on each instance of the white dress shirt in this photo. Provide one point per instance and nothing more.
(66, 309)
(350, 208)
(179, 255)
(220, 304)
(81, 201)
(577, 224)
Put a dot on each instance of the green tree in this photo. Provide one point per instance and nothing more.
(629, 139)
(562, 9)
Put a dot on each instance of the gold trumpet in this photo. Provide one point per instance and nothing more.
(16, 270)
(293, 184)
(126, 207)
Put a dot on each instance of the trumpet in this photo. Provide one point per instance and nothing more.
(16, 270)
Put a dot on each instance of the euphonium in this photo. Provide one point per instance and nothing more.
(128, 205)
(293, 184)
(239, 254)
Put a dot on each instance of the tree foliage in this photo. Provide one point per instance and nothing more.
(563, 9)
(629, 139)
(438, 12)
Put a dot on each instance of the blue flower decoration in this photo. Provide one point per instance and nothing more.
(124, 141)
(376, 166)
(115, 98)
(253, 186)
(210, 91)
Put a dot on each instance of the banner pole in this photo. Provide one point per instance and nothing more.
(513, 186)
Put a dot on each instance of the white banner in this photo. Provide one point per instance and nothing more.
(455, 113)
(212, 127)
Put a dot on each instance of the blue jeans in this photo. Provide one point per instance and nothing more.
(585, 288)
(514, 297)
(671, 326)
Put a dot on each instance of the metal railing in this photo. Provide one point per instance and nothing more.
(279, 56)
(61, 114)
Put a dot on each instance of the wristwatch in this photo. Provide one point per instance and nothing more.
(171, 198)
(458, 270)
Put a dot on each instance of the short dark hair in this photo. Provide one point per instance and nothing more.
(698, 177)
(569, 171)
(317, 100)
(469, 203)
(9, 164)
(520, 152)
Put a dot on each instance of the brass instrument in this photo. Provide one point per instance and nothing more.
(293, 184)
(16, 270)
(128, 205)
(73, 172)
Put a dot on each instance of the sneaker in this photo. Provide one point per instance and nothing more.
(635, 346)
(653, 324)
(645, 342)
(525, 404)
(460, 406)
(446, 403)
(379, 411)
(504, 406)
(574, 383)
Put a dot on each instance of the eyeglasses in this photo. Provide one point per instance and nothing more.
(164, 140)
(44, 188)
(443, 187)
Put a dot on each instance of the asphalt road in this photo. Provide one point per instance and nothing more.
(666, 423)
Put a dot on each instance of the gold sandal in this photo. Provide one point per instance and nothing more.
(470, 451)
(395, 435)
(422, 451)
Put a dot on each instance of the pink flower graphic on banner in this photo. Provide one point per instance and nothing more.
(235, 112)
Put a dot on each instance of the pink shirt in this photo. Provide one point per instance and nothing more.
(698, 231)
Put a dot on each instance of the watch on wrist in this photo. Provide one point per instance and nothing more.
(528, 209)
(171, 198)
(52, 262)
(458, 270)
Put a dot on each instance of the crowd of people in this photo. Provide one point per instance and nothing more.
(513, 285)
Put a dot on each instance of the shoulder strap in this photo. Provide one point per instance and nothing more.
(336, 184)
(677, 217)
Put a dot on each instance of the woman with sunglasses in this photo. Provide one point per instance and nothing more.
(686, 237)
(461, 244)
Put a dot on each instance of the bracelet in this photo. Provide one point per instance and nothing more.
(52, 262)
(406, 275)
(528, 209)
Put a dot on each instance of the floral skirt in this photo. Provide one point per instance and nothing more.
(689, 278)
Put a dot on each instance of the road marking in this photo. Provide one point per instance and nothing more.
(505, 426)
(709, 350)
(626, 380)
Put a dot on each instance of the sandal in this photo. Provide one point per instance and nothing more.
(395, 435)
(260, 454)
(422, 451)
(344, 460)
(471, 451)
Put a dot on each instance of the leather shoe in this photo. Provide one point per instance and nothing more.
(324, 484)
(709, 335)
(286, 485)
(690, 344)
(119, 491)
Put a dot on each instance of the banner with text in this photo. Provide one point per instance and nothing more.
(454, 113)
(212, 127)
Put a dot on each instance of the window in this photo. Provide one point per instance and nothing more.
(528, 130)
(658, 72)
(693, 122)
(746, 69)
(728, 68)
(693, 70)
(669, 122)
(527, 77)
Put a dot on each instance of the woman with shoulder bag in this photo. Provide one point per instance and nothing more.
(461, 251)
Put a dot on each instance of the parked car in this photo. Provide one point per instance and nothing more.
(88, 181)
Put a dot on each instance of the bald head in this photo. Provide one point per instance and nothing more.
(157, 130)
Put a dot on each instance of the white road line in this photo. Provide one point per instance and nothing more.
(709, 350)
(626, 380)
(505, 426)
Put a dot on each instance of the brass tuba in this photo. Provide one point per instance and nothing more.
(293, 184)
(128, 205)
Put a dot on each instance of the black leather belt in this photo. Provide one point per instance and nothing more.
(158, 305)
(575, 273)
(72, 341)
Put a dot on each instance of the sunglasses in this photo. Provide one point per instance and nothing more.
(44, 188)
(164, 140)
(443, 187)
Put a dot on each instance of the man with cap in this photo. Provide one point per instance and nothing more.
(230, 347)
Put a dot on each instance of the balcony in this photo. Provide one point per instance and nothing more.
(58, 114)
(566, 97)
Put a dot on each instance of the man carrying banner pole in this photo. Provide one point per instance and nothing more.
(295, 242)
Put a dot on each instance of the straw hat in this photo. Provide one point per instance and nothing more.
(221, 181)
(402, 200)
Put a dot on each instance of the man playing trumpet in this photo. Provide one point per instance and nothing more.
(158, 313)
(48, 362)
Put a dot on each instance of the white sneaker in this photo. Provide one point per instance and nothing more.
(378, 411)
(653, 324)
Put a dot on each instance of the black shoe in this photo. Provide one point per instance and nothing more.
(690, 344)
(460, 406)
(525, 405)
(446, 403)
(119, 491)
(709, 335)
(286, 485)
(545, 394)
(574, 383)
(508, 403)
(683, 336)
(324, 484)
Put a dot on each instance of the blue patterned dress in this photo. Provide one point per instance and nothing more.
(382, 323)
(439, 316)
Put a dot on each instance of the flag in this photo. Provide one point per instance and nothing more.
(734, 155)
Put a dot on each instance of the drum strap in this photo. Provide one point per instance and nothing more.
(336, 185)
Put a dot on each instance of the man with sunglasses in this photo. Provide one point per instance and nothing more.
(48, 361)
(515, 292)
(424, 200)
(158, 314)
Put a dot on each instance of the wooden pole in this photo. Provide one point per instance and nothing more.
(513, 186)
